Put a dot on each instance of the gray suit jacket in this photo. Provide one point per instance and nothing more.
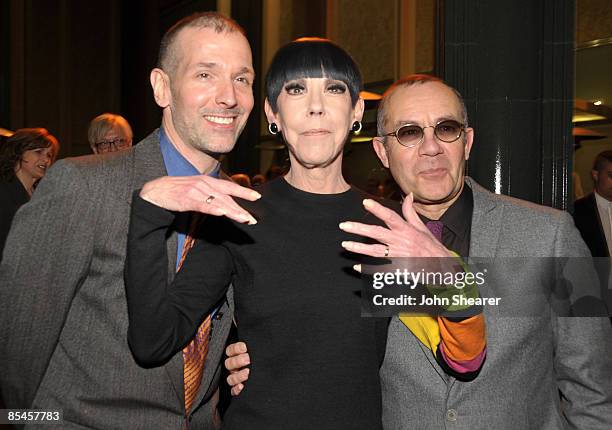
(64, 320)
(529, 359)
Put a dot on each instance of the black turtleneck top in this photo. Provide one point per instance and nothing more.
(314, 359)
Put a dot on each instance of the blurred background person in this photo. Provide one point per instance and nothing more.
(593, 219)
(109, 133)
(593, 213)
(258, 180)
(242, 179)
(274, 172)
(5, 133)
(24, 159)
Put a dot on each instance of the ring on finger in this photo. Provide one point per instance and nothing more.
(209, 199)
(386, 251)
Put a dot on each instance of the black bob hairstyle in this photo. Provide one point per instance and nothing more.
(311, 57)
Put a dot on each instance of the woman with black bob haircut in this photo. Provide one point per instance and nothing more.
(315, 360)
(311, 57)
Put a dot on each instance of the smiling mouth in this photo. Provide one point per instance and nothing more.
(223, 120)
(42, 166)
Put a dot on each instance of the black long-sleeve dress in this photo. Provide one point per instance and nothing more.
(13, 195)
(315, 360)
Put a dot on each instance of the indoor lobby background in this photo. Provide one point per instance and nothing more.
(534, 74)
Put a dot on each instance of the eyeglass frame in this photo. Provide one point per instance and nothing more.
(462, 129)
(113, 143)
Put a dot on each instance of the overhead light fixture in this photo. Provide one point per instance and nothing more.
(591, 111)
(358, 139)
(586, 117)
(370, 96)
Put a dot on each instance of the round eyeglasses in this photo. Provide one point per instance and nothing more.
(410, 135)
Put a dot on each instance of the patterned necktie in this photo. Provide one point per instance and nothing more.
(436, 228)
(194, 354)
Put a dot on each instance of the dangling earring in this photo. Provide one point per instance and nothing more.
(356, 128)
(273, 128)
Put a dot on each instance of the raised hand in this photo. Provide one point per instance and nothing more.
(403, 237)
(200, 193)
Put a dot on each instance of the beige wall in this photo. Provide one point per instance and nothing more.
(368, 31)
(593, 20)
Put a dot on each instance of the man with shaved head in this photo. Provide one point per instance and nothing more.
(64, 322)
(541, 371)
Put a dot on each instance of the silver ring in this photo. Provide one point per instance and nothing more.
(386, 251)
(209, 199)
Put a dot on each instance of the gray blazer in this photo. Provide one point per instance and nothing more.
(63, 343)
(529, 359)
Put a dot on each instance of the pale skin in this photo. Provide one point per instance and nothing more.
(117, 132)
(206, 99)
(431, 175)
(33, 166)
(315, 116)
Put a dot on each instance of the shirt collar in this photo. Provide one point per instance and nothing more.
(601, 201)
(458, 217)
(176, 164)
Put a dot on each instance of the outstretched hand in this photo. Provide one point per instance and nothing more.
(200, 193)
(403, 237)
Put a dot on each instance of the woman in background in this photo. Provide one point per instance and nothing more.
(24, 159)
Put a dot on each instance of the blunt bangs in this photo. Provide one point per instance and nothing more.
(311, 58)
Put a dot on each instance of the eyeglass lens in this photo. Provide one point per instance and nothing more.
(117, 143)
(446, 131)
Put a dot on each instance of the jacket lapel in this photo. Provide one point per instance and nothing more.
(599, 236)
(149, 165)
(486, 222)
(486, 225)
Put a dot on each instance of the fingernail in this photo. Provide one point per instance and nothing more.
(357, 268)
(252, 221)
(411, 195)
(345, 225)
(256, 195)
(345, 244)
(368, 203)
